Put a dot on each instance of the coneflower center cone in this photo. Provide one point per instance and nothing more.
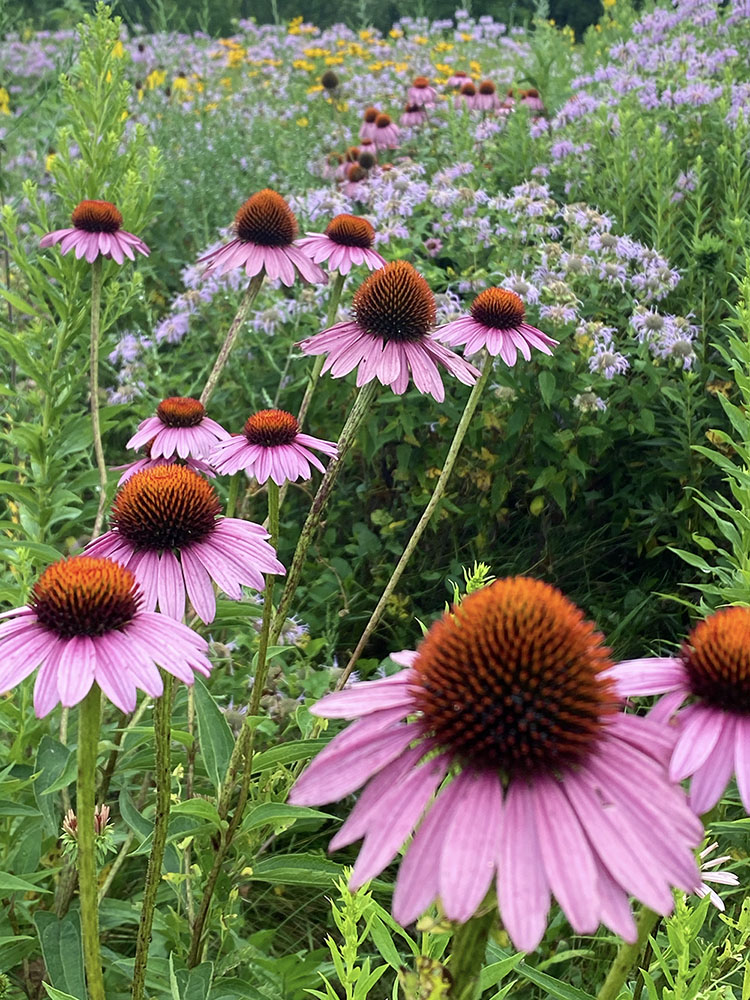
(270, 428)
(97, 217)
(370, 115)
(351, 231)
(498, 308)
(84, 596)
(716, 656)
(180, 411)
(486, 87)
(510, 679)
(266, 219)
(395, 303)
(165, 507)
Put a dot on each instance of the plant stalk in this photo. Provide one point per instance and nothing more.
(163, 779)
(226, 348)
(333, 304)
(437, 494)
(96, 307)
(88, 745)
(468, 949)
(243, 748)
(627, 956)
(359, 410)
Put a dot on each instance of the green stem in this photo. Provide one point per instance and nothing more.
(226, 348)
(96, 306)
(243, 748)
(468, 949)
(333, 304)
(163, 778)
(88, 745)
(627, 956)
(358, 412)
(234, 492)
(437, 494)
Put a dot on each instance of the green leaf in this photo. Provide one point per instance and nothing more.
(216, 739)
(287, 753)
(17, 302)
(554, 987)
(495, 973)
(547, 386)
(200, 808)
(271, 813)
(54, 994)
(383, 941)
(297, 869)
(62, 950)
(10, 883)
(51, 760)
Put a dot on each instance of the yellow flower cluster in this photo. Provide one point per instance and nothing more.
(4, 101)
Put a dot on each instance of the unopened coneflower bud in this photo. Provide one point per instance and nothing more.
(329, 80)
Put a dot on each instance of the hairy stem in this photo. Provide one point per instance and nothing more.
(96, 307)
(627, 956)
(437, 495)
(358, 412)
(88, 745)
(226, 348)
(163, 777)
(333, 304)
(468, 948)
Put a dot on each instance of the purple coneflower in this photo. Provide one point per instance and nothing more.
(166, 527)
(486, 98)
(458, 78)
(271, 446)
(97, 229)
(532, 100)
(386, 133)
(503, 746)
(266, 229)
(368, 127)
(180, 428)
(130, 468)
(85, 624)
(421, 93)
(389, 335)
(713, 731)
(708, 874)
(348, 241)
(467, 96)
(497, 325)
(414, 115)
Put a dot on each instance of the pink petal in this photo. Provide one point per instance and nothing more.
(523, 892)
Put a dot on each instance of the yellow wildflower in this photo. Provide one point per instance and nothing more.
(396, 33)
(443, 46)
(180, 83)
(303, 64)
(303, 122)
(155, 78)
(118, 50)
(334, 61)
(366, 34)
(420, 40)
(4, 101)
(475, 67)
(226, 82)
(316, 52)
(342, 106)
(465, 36)
(316, 88)
(49, 160)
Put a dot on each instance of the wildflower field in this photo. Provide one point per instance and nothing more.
(374, 491)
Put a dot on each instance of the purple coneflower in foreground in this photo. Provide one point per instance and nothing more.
(180, 428)
(271, 446)
(394, 311)
(386, 133)
(84, 624)
(467, 96)
(713, 732)
(166, 527)
(496, 324)
(266, 229)
(347, 242)
(503, 747)
(421, 93)
(97, 229)
(487, 99)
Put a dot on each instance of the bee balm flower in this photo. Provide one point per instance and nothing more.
(389, 336)
(97, 229)
(168, 530)
(265, 230)
(85, 624)
(502, 745)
